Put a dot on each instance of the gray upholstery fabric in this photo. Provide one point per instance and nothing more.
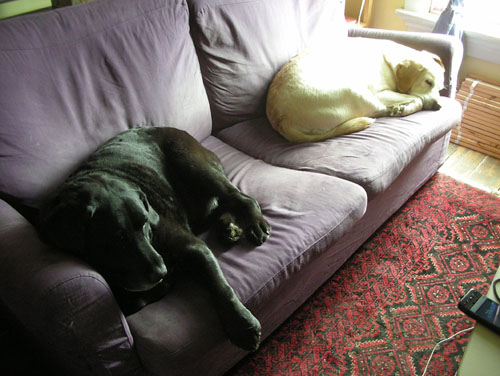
(176, 332)
(73, 78)
(242, 45)
(70, 79)
(372, 158)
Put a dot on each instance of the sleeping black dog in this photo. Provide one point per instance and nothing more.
(131, 211)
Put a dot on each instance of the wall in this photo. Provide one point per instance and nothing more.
(13, 8)
(384, 17)
(482, 68)
(352, 8)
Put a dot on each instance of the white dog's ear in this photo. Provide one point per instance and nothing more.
(406, 74)
(436, 58)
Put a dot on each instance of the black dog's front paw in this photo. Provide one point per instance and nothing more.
(243, 212)
(227, 229)
(243, 329)
(259, 231)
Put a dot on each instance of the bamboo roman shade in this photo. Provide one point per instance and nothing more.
(480, 126)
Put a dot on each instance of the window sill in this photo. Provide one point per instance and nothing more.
(479, 45)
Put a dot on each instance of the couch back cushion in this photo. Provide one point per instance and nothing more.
(242, 44)
(75, 77)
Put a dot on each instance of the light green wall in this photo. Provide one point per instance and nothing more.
(15, 7)
(384, 15)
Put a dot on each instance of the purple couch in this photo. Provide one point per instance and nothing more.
(71, 79)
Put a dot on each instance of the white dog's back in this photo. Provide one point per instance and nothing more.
(323, 93)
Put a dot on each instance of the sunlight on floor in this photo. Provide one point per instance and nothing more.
(473, 168)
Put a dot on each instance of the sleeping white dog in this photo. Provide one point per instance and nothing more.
(322, 94)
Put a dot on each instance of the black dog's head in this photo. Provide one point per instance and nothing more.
(109, 224)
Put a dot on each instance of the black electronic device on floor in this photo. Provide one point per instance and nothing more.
(482, 309)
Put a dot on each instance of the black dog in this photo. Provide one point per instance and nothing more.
(130, 211)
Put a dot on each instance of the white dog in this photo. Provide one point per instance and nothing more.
(322, 94)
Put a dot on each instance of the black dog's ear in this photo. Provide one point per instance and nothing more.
(64, 223)
(153, 216)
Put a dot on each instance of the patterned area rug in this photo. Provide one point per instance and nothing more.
(386, 308)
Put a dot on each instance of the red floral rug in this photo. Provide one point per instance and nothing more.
(386, 308)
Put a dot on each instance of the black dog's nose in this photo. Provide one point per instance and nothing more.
(157, 270)
(146, 280)
(159, 273)
(149, 270)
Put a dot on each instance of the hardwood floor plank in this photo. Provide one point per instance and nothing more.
(488, 174)
(473, 168)
(462, 162)
(451, 149)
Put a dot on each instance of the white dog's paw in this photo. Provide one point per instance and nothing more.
(431, 104)
(405, 108)
(397, 109)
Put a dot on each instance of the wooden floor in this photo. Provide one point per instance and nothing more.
(473, 168)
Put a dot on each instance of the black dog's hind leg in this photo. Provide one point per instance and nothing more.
(201, 173)
(242, 328)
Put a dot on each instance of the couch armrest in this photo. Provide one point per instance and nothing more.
(62, 302)
(449, 48)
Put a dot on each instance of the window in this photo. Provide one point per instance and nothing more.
(480, 23)
(482, 16)
(437, 6)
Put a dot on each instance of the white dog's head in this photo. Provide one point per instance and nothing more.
(423, 77)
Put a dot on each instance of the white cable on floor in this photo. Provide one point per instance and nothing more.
(440, 342)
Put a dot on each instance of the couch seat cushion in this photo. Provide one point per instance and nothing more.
(307, 211)
(372, 158)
